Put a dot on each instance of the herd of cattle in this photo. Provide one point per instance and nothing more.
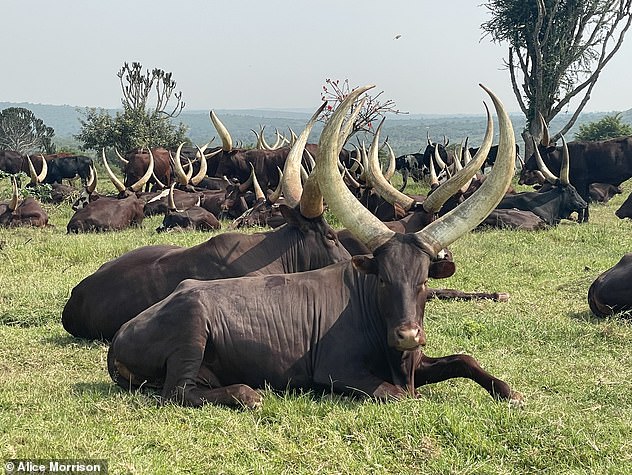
(283, 308)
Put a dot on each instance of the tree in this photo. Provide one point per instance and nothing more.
(138, 125)
(372, 109)
(608, 127)
(21, 131)
(559, 48)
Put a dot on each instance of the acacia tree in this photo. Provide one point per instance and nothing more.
(373, 106)
(21, 131)
(557, 50)
(146, 119)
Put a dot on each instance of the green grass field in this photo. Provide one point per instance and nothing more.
(575, 371)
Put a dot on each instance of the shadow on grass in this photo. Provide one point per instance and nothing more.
(69, 340)
(589, 317)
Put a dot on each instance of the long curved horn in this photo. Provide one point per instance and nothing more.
(546, 138)
(564, 169)
(115, 181)
(203, 167)
(32, 172)
(142, 181)
(292, 187)
(276, 194)
(255, 184)
(91, 182)
(190, 172)
(448, 228)
(222, 131)
(14, 194)
(548, 174)
(311, 205)
(440, 163)
(171, 202)
(120, 156)
(390, 171)
(379, 182)
(160, 184)
(363, 225)
(436, 199)
(243, 187)
(181, 176)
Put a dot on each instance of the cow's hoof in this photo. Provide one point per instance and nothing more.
(247, 397)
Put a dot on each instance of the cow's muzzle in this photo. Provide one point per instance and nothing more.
(409, 336)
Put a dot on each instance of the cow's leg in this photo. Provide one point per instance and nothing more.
(445, 294)
(434, 370)
(184, 368)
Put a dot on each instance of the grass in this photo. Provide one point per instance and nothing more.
(57, 400)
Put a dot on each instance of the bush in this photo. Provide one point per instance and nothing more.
(609, 127)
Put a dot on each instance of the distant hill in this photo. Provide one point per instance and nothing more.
(406, 132)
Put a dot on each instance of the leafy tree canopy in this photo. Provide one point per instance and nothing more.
(138, 125)
(21, 131)
(608, 127)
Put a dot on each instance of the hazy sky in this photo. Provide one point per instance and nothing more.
(267, 53)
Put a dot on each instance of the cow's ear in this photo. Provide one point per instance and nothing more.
(441, 269)
(291, 215)
(365, 264)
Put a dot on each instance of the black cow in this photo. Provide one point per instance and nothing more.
(606, 161)
(611, 292)
(192, 217)
(557, 202)
(491, 156)
(625, 210)
(64, 166)
(354, 328)
(142, 277)
(11, 162)
(603, 192)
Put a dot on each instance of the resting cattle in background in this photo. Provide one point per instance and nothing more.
(611, 292)
(603, 192)
(111, 213)
(555, 204)
(192, 217)
(513, 219)
(353, 328)
(605, 161)
(625, 210)
(142, 277)
(27, 212)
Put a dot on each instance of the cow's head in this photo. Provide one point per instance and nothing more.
(401, 295)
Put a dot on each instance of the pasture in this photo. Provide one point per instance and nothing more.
(575, 371)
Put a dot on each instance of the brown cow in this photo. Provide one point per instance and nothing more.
(611, 292)
(353, 328)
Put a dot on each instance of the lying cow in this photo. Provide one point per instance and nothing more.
(611, 292)
(354, 327)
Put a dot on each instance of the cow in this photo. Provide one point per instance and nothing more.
(611, 292)
(136, 162)
(138, 279)
(354, 327)
(112, 213)
(27, 212)
(554, 204)
(513, 219)
(602, 192)
(606, 161)
(491, 156)
(192, 217)
(625, 210)
(11, 161)
(66, 166)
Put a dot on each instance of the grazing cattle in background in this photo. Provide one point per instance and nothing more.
(27, 212)
(353, 328)
(142, 277)
(66, 166)
(111, 213)
(625, 210)
(605, 161)
(611, 292)
(554, 204)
